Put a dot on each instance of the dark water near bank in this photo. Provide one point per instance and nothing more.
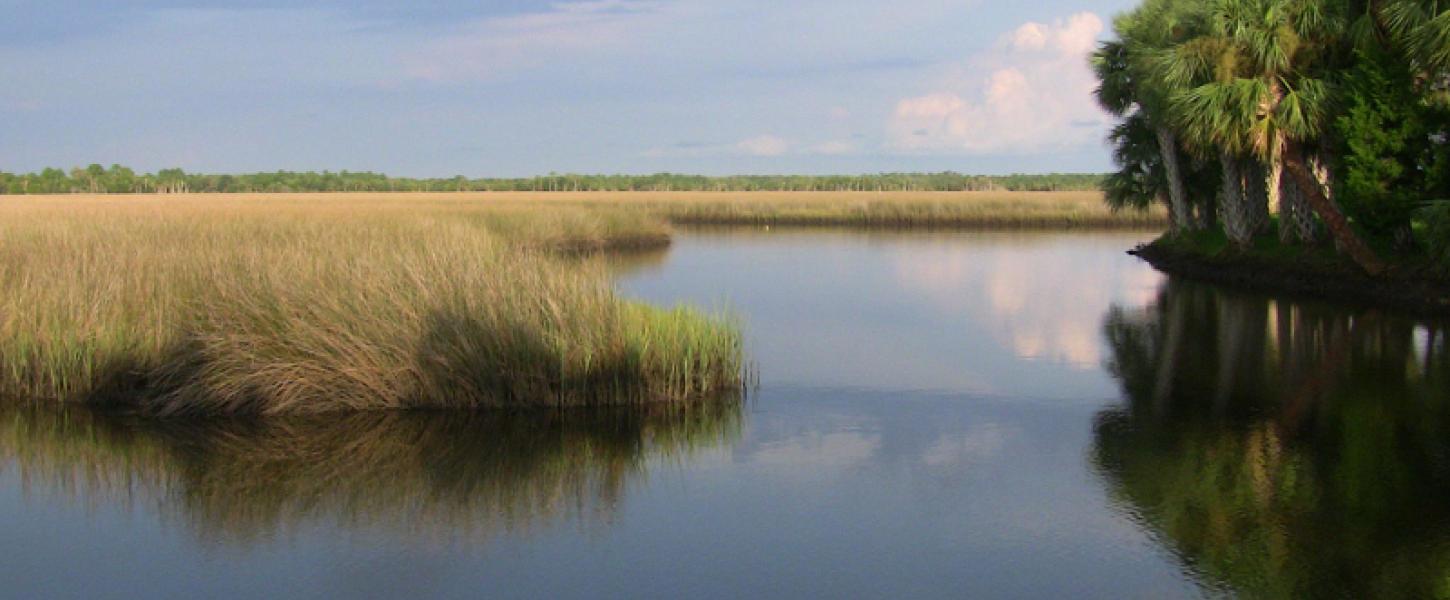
(959, 415)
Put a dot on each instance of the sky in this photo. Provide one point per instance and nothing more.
(523, 87)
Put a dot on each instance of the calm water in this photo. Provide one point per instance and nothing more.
(961, 415)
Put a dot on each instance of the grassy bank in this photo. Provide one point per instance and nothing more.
(966, 210)
(1413, 285)
(638, 218)
(189, 305)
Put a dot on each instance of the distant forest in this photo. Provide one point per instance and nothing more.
(122, 180)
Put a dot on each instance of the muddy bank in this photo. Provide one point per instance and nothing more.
(1407, 290)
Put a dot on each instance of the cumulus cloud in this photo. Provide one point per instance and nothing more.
(1030, 92)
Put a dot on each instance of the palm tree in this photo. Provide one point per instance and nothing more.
(1140, 179)
(1127, 86)
(1262, 97)
(1418, 29)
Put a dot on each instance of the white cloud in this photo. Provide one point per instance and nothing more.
(1032, 36)
(764, 145)
(1031, 92)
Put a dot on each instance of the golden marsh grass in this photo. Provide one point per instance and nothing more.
(984, 210)
(620, 212)
(269, 305)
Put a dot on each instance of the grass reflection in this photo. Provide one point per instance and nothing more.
(470, 475)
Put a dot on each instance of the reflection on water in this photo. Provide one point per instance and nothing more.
(459, 475)
(1008, 313)
(1283, 449)
(633, 262)
(1041, 301)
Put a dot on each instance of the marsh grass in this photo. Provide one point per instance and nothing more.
(636, 219)
(206, 305)
(965, 210)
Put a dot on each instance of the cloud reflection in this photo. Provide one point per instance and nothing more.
(1035, 298)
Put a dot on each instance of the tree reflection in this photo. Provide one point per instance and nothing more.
(454, 475)
(1283, 449)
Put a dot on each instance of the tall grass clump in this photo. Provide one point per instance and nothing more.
(209, 306)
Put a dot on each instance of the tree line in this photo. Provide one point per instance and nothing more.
(118, 179)
(1335, 112)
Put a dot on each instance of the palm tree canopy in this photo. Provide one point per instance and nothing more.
(1257, 76)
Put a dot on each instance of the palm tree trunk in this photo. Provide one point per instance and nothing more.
(1310, 228)
(1174, 218)
(1283, 195)
(1232, 207)
(1256, 195)
(1207, 207)
(1338, 224)
(1208, 212)
(1296, 219)
(1177, 194)
(1282, 201)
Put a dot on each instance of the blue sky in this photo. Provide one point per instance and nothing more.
(520, 87)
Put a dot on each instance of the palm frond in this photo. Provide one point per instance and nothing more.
(1304, 111)
(1221, 114)
(1115, 89)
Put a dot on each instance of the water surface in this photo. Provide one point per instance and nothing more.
(938, 415)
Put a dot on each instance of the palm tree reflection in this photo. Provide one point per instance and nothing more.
(1282, 449)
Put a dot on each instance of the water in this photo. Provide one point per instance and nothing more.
(979, 415)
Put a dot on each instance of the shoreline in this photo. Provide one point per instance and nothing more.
(1339, 282)
(867, 222)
